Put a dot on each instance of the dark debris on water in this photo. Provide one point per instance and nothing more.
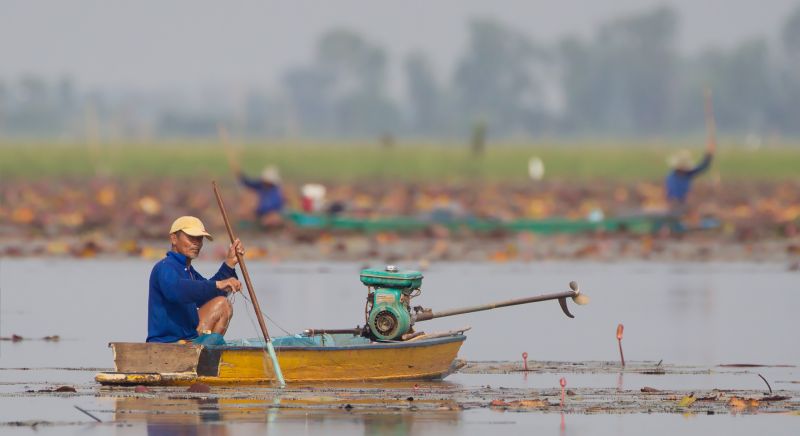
(18, 338)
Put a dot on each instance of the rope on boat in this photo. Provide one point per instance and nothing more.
(252, 321)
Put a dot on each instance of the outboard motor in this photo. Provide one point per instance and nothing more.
(390, 316)
(388, 308)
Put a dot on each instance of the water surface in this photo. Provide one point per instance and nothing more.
(702, 314)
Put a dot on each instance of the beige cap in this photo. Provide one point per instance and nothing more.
(681, 160)
(191, 226)
(271, 174)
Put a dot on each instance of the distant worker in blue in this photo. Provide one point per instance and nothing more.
(270, 196)
(679, 180)
(182, 305)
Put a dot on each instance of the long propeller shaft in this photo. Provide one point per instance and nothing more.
(425, 315)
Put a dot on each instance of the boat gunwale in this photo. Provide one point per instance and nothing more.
(370, 346)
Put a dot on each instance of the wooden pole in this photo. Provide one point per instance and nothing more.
(230, 153)
(251, 291)
(711, 122)
(711, 136)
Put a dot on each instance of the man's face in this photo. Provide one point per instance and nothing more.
(186, 245)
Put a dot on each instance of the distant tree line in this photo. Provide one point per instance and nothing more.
(627, 79)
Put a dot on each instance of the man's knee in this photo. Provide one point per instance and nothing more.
(223, 305)
(220, 305)
(228, 307)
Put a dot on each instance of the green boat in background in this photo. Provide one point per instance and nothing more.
(637, 224)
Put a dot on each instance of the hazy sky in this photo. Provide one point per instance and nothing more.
(155, 44)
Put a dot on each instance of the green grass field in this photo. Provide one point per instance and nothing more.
(327, 162)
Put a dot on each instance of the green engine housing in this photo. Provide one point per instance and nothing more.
(388, 309)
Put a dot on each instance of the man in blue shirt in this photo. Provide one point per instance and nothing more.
(183, 305)
(270, 197)
(679, 180)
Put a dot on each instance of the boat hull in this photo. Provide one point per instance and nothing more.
(174, 364)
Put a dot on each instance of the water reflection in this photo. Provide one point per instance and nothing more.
(171, 416)
(191, 416)
(178, 429)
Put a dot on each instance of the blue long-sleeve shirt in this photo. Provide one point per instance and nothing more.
(679, 182)
(176, 292)
(270, 197)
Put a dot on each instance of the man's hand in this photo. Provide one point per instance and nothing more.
(229, 285)
(230, 259)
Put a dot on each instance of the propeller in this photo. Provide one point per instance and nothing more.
(577, 297)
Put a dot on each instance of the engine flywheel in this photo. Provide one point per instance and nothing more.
(385, 322)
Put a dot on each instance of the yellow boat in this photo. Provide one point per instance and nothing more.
(303, 359)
